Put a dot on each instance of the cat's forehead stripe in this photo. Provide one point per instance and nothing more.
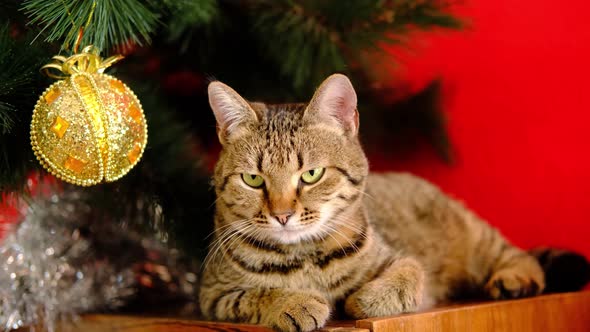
(259, 161)
(281, 125)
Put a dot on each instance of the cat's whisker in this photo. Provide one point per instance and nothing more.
(256, 235)
(218, 252)
(352, 222)
(229, 231)
(350, 225)
(348, 239)
(214, 249)
(362, 192)
(239, 235)
(333, 237)
(232, 234)
(356, 230)
(218, 229)
(214, 202)
(213, 246)
(223, 230)
(349, 221)
(334, 230)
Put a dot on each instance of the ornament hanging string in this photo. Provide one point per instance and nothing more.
(81, 30)
(88, 61)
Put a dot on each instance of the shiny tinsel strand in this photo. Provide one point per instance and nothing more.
(59, 262)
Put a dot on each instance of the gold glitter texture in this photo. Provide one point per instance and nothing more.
(51, 95)
(59, 126)
(135, 113)
(94, 132)
(135, 152)
(74, 164)
(118, 85)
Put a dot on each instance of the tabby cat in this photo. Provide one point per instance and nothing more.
(301, 225)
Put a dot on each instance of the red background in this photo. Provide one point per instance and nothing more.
(515, 94)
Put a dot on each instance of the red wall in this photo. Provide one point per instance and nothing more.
(518, 109)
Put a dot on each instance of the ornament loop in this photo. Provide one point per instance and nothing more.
(87, 61)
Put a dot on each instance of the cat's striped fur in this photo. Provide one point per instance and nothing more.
(379, 243)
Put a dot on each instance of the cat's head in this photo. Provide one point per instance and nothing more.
(288, 173)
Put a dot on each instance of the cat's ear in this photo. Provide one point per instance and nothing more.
(231, 111)
(334, 103)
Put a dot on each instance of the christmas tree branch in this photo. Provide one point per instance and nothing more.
(20, 85)
(309, 40)
(105, 23)
(188, 15)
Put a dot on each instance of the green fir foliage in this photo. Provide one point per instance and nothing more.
(106, 23)
(187, 16)
(20, 86)
(309, 39)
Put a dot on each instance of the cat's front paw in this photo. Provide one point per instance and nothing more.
(399, 289)
(300, 312)
(514, 283)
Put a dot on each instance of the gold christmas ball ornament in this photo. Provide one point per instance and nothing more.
(88, 127)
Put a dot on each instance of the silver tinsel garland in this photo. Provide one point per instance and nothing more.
(59, 262)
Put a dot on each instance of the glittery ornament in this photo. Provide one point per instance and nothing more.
(88, 127)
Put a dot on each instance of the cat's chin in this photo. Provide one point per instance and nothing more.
(293, 236)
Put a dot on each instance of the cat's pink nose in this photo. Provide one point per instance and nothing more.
(283, 217)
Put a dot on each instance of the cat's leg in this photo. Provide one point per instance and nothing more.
(485, 258)
(399, 288)
(514, 274)
(281, 309)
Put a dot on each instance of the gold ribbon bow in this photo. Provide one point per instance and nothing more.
(88, 61)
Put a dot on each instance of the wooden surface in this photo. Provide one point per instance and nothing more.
(115, 323)
(560, 312)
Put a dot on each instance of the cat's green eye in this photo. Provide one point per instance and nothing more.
(313, 175)
(253, 180)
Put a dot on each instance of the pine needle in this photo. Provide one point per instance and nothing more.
(20, 85)
(105, 23)
(308, 40)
